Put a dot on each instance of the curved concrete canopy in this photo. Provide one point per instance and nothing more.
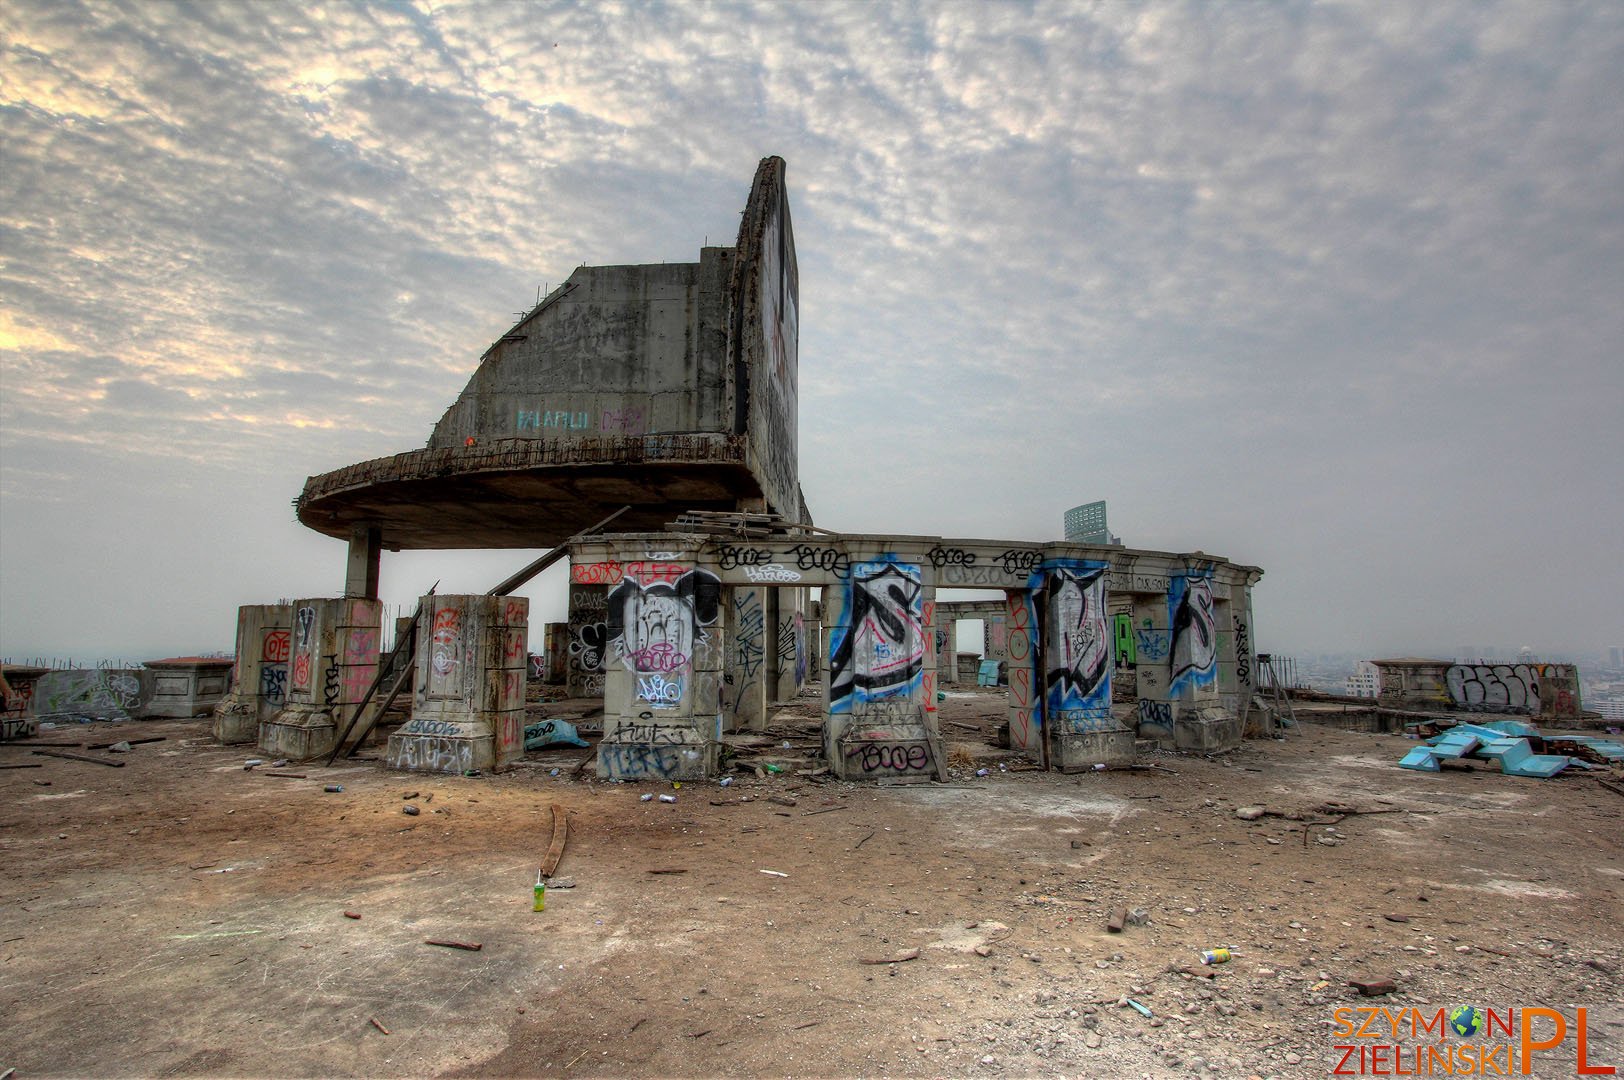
(527, 493)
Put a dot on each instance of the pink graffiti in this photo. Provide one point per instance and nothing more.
(661, 656)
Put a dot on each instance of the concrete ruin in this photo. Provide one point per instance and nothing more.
(672, 390)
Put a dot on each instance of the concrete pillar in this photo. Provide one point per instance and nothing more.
(1076, 646)
(1196, 602)
(361, 570)
(333, 660)
(745, 675)
(1019, 647)
(792, 643)
(663, 683)
(588, 644)
(259, 681)
(878, 723)
(468, 708)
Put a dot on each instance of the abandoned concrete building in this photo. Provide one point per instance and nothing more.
(667, 396)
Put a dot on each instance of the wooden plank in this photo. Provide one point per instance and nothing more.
(81, 757)
(555, 851)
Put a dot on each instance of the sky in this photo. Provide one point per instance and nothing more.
(1333, 289)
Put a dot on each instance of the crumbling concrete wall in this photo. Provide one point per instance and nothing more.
(333, 660)
(468, 705)
(259, 681)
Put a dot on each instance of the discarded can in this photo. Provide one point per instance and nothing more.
(774, 768)
(647, 796)
(541, 893)
(668, 798)
(983, 772)
(726, 780)
(333, 789)
(1219, 955)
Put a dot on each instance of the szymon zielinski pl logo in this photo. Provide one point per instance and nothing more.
(1462, 1041)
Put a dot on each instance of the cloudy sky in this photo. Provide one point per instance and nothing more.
(1333, 289)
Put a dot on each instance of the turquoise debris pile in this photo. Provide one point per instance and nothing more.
(1510, 744)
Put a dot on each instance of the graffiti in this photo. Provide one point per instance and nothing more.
(586, 646)
(305, 619)
(101, 692)
(1142, 583)
(1493, 688)
(627, 762)
(1082, 721)
(1195, 637)
(329, 682)
(772, 573)
(603, 573)
(1122, 641)
(657, 626)
(515, 612)
(650, 733)
(1152, 644)
(591, 684)
(429, 727)
(880, 650)
(1243, 653)
(275, 650)
(650, 572)
(301, 671)
(730, 557)
(428, 754)
(1157, 714)
(898, 757)
(890, 711)
(1018, 561)
(829, 560)
(445, 656)
(1025, 721)
(659, 691)
(508, 733)
(627, 421)
(514, 645)
(955, 574)
(535, 419)
(940, 557)
(1078, 678)
(749, 629)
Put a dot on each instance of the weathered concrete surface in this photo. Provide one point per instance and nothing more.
(260, 680)
(333, 660)
(468, 708)
(666, 387)
(186, 686)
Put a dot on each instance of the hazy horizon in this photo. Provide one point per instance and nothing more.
(1330, 290)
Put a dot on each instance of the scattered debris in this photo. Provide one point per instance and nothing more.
(671, 871)
(904, 955)
(1117, 920)
(555, 850)
(825, 810)
(1136, 1007)
(1220, 955)
(24, 765)
(781, 800)
(1250, 813)
(120, 747)
(352, 914)
(125, 742)
(80, 757)
(380, 1027)
(774, 873)
(1373, 988)
(284, 775)
(410, 810)
(468, 946)
(333, 789)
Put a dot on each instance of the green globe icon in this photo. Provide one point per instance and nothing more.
(1467, 1020)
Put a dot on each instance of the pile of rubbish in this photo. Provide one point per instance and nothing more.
(1516, 747)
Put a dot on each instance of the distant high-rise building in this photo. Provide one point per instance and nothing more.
(1085, 524)
(1615, 657)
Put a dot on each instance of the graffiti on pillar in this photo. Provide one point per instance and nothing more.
(890, 758)
(304, 647)
(1122, 645)
(630, 761)
(1025, 719)
(445, 651)
(1077, 679)
(1155, 717)
(421, 753)
(792, 648)
(273, 666)
(1194, 633)
(654, 628)
(1152, 645)
(878, 650)
(1243, 653)
(749, 629)
(588, 641)
(1493, 687)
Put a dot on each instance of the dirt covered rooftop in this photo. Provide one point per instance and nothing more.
(185, 916)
